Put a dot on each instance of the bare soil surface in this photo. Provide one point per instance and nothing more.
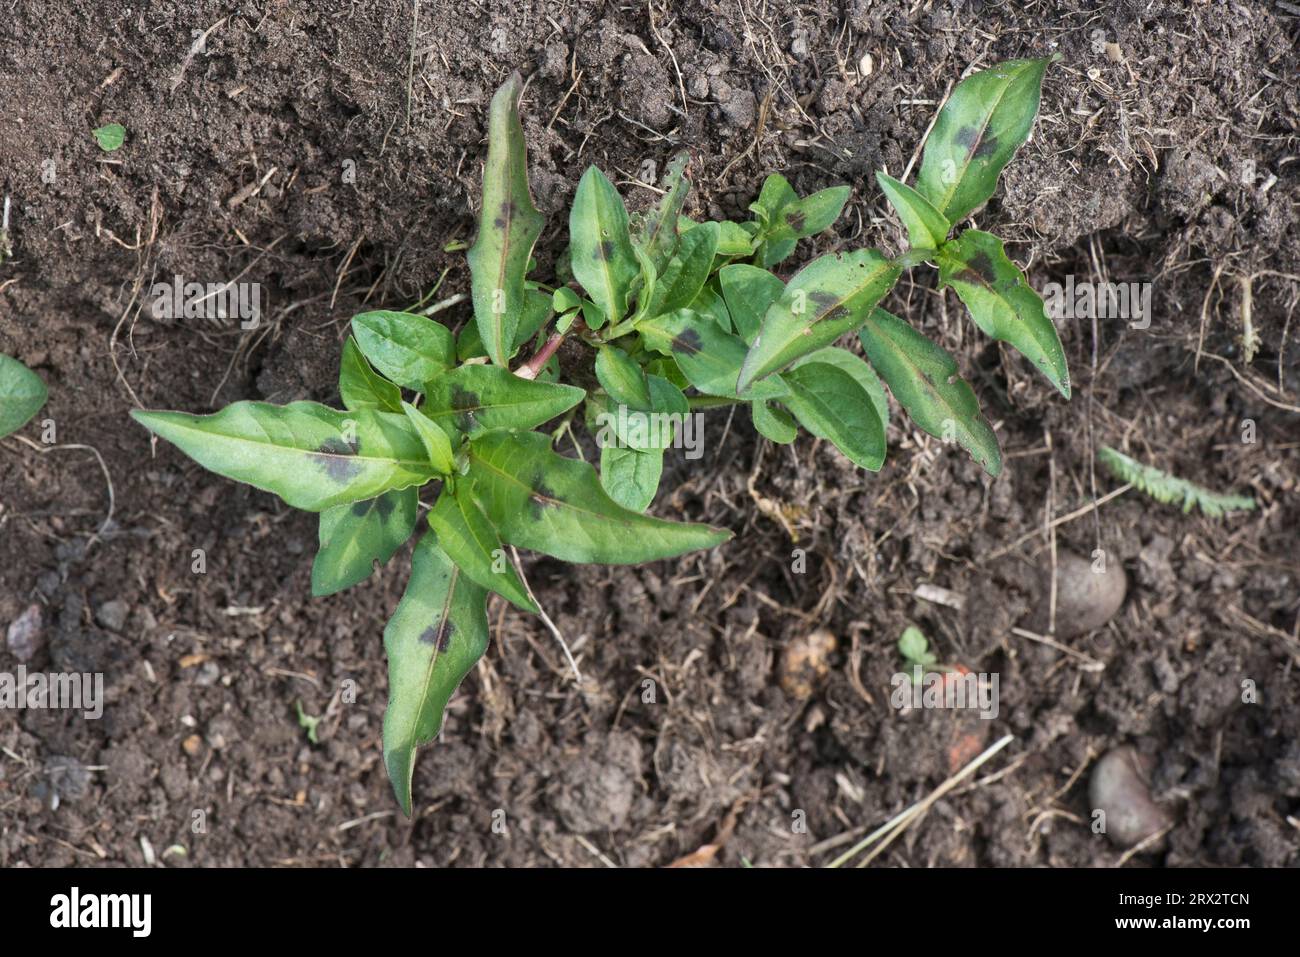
(331, 150)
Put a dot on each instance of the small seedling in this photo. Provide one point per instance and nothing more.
(1169, 489)
(110, 137)
(678, 315)
(22, 393)
(307, 722)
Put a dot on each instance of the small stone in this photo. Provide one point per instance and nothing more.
(866, 65)
(25, 635)
(799, 46)
(805, 662)
(1120, 788)
(112, 614)
(193, 745)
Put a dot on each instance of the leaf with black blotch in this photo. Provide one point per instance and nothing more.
(478, 398)
(468, 538)
(600, 245)
(353, 537)
(925, 380)
(830, 296)
(555, 505)
(1002, 302)
(311, 456)
(709, 357)
(987, 118)
(509, 224)
(657, 232)
(437, 634)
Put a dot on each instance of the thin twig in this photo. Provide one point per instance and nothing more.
(546, 619)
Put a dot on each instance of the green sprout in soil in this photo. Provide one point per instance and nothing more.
(22, 393)
(307, 722)
(1169, 489)
(915, 650)
(675, 315)
(110, 137)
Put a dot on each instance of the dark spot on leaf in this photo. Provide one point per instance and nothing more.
(505, 215)
(687, 341)
(466, 403)
(987, 146)
(796, 219)
(362, 509)
(384, 506)
(824, 301)
(605, 250)
(983, 267)
(540, 499)
(333, 453)
(438, 634)
(967, 137)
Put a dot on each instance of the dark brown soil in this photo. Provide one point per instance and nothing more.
(1177, 165)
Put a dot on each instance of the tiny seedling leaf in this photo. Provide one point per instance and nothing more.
(22, 393)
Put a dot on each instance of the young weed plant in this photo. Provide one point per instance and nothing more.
(678, 315)
(22, 393)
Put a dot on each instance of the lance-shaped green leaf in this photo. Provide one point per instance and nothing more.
(830, 296)
(22, 393)
(657, 232)
(925, 380)
(537, 312)
(600, 244)
(858, 368)
(509, 225)
(775, 194)
(470, 541)
(631, 476)
(622, 377)
(797, 220)
(1002, 303)
(437, 634)
(406, 348)
(749, 292)
(773, 422)
(437, 444)
(476, 398)
(832, 404)
(360, 387)
(311, 456)
(681, 280)
(710, 358)
(925, 225)
(987, 118)
(543, 501)
(354, 537)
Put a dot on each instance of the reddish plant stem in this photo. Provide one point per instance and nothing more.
(534, 366)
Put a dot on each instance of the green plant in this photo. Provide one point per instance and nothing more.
(22, 393)
(669, 306)
(109, 137)
(1169, 489)
(915, 649)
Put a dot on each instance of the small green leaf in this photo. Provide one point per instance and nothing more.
(436, 442)
(469, 540)
(437, 634)
(832, 404)
(749, 292)
(775, 194)
(710, 358)
(797, 220)
(631, 476)
(773, 422)
(509, 224)
(22, 393)
(915, 648)
(1002, 303)
(354, 537)
(622, 378)
(681, 280)
(925, 380)
(110, 137)
(311, 456)
(601, 245)
(405, 348)
(477, 398)
(734, 241)
(564, 299)
(987, 118)
(657, 232)
(926, 227)
(360, 387)
(830, 296)
(555, 505)
(642, 426)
